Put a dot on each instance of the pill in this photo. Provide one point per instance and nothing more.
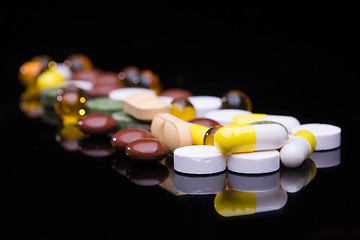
(144, 106)
(198, 133)
(123, 137)
(230, 203)
(236, 99)
(122, 119)
(199, 159)
(82, 84)
(254, 162)
(122, 93)
(209, 135)
(171, 130)
(205, 104)
(294, 179)
(176, 93)
(207, 122)
(249, 138)
(183, 109)
(288, 121)
(104, 105)
(146, 150)
(297, 149)
(97, 124)
(327, 136)
(225, 116)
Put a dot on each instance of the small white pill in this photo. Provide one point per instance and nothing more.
(122, 93)
(205, 104)
(327, 136)
(199, 159)
(298, 148)
(254, 162)
(225, 116)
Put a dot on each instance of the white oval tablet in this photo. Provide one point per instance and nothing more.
(199, 159)
(122, 93)
(205, 104)
(254, 162)
(327, 136)
(225, 116)
(84, 85)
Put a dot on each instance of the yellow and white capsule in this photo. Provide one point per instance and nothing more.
(249, 138)
(198, 133)
(298, 148)
(288, 121)
(230, 203)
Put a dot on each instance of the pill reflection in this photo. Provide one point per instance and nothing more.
(325, 159)
(294, 179)
(253, 182)
(143, 174)
(230, 203)
(198, 185)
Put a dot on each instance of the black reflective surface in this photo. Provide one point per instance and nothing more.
(288, 62)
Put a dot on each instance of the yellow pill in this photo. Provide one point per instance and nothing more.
(183, 109)
(49, 79)
(249, 138)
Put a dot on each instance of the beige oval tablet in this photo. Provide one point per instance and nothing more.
(172, 130)
(144, 106)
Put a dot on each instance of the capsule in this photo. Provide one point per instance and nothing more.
(288, 121)
(198, 133)
(298, 149)
(249, 138)
(230, 203)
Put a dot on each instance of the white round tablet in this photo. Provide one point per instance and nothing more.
(253, 182)
(254, 162)
(225, 116)
(199, 159)
(327, 136)
(205, 104)
(122, 93)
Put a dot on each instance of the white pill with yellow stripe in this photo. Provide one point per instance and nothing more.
(249, 138)
(298, 149)
(288, 121)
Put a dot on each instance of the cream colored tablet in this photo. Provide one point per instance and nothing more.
(255, 162)
(144, 106)
(199, 159)
(122, 93)
(172, 130)
(327, 136)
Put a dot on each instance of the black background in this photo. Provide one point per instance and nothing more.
(297, 60)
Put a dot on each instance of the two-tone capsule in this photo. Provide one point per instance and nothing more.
(288, 121)
(298, 148)
(249, 138)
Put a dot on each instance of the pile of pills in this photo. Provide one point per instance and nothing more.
(205, 135)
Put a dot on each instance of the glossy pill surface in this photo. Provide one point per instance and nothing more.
(123, 137)
(146, 150)
(97, 124)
